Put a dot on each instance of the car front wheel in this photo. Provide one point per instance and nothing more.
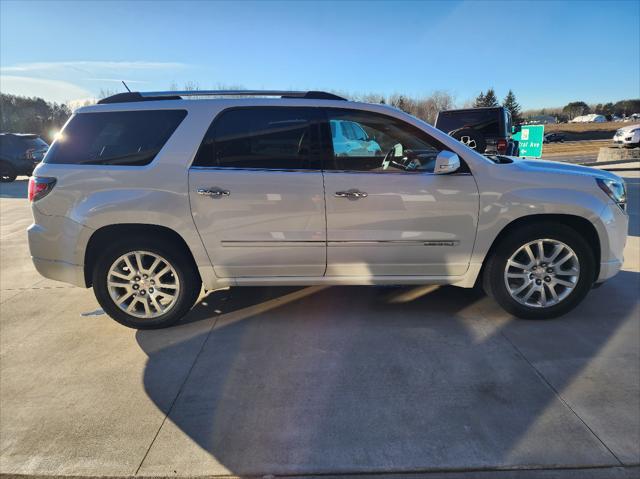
(146, 283)
(540, 271)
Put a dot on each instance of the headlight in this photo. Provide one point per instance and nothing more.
(615, 190)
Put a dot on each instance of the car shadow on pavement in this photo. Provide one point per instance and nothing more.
(369, 379)
(15, 189)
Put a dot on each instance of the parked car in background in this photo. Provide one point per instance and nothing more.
(628, 136)
(486, 130)
(19, 154)
(554, 138)
(151, 197)
(351, 139)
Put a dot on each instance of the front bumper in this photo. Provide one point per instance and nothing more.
(616, 225)
(627, 139)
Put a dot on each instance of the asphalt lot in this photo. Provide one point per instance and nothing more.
(317, 380)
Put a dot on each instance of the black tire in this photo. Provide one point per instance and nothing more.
(473, 137)
(183, 264)
(7, 172)
(493, 276)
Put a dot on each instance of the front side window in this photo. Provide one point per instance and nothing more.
(123, 138)
(378, 143)
(263, 138)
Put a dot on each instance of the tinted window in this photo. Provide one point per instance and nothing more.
(114, 138)
(36, 143)
(379, 143)
(6, 145)
(273, 138)
(486, 122)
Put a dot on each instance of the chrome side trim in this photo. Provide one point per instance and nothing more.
(280, 243)
(416, 172)
(271, 243)
(294, 170)
(395, 242)
(285, 170)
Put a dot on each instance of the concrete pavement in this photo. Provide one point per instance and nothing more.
(317, 380)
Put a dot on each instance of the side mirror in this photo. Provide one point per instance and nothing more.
(516, 128)
(446, 162)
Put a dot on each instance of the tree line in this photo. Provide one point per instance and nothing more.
(20, 114)
(34, 115)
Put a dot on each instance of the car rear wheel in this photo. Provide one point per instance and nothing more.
(540, 271)
(7, 172)
(146, 283)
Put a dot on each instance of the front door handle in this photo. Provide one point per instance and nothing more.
(214, 192)
(351, 194)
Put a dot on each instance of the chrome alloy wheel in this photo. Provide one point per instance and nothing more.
(143, 284)
(542, 273)
(470, 142)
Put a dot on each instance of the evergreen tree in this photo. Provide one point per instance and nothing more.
(512, 105)
(479, 101)
(490, 98)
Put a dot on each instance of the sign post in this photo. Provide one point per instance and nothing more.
(530, 138)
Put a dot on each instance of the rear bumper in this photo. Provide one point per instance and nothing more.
(57, 246)
(24, 167)
(60, 271)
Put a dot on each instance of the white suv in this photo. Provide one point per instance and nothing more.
(148, 197)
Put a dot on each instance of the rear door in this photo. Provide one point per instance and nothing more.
(257, 194)
(388, 214)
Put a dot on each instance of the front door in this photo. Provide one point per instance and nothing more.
(387, 213)
(257, 195)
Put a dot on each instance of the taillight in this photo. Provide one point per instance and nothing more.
(40, 187)
(502, 145)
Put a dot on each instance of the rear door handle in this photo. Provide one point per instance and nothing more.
(351, 194)
(213, 192)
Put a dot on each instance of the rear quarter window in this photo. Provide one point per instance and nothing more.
(124, 138)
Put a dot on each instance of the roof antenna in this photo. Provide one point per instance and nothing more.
(125, 85)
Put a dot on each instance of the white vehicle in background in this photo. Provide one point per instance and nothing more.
(628, 136)
(350, 139)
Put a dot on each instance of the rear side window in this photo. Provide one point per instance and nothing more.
(124, 138)
(279, 138)
(486, 122)
(37, 143)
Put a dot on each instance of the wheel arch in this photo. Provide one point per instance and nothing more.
(107, 234)
(582, 225)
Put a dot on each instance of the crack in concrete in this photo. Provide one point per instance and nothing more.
(175, 399)
(559, 396)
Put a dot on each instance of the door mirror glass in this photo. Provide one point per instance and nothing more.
(446, 162)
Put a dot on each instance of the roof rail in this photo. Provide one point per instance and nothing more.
(176, 95)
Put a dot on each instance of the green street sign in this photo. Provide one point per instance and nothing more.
(530, 138)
